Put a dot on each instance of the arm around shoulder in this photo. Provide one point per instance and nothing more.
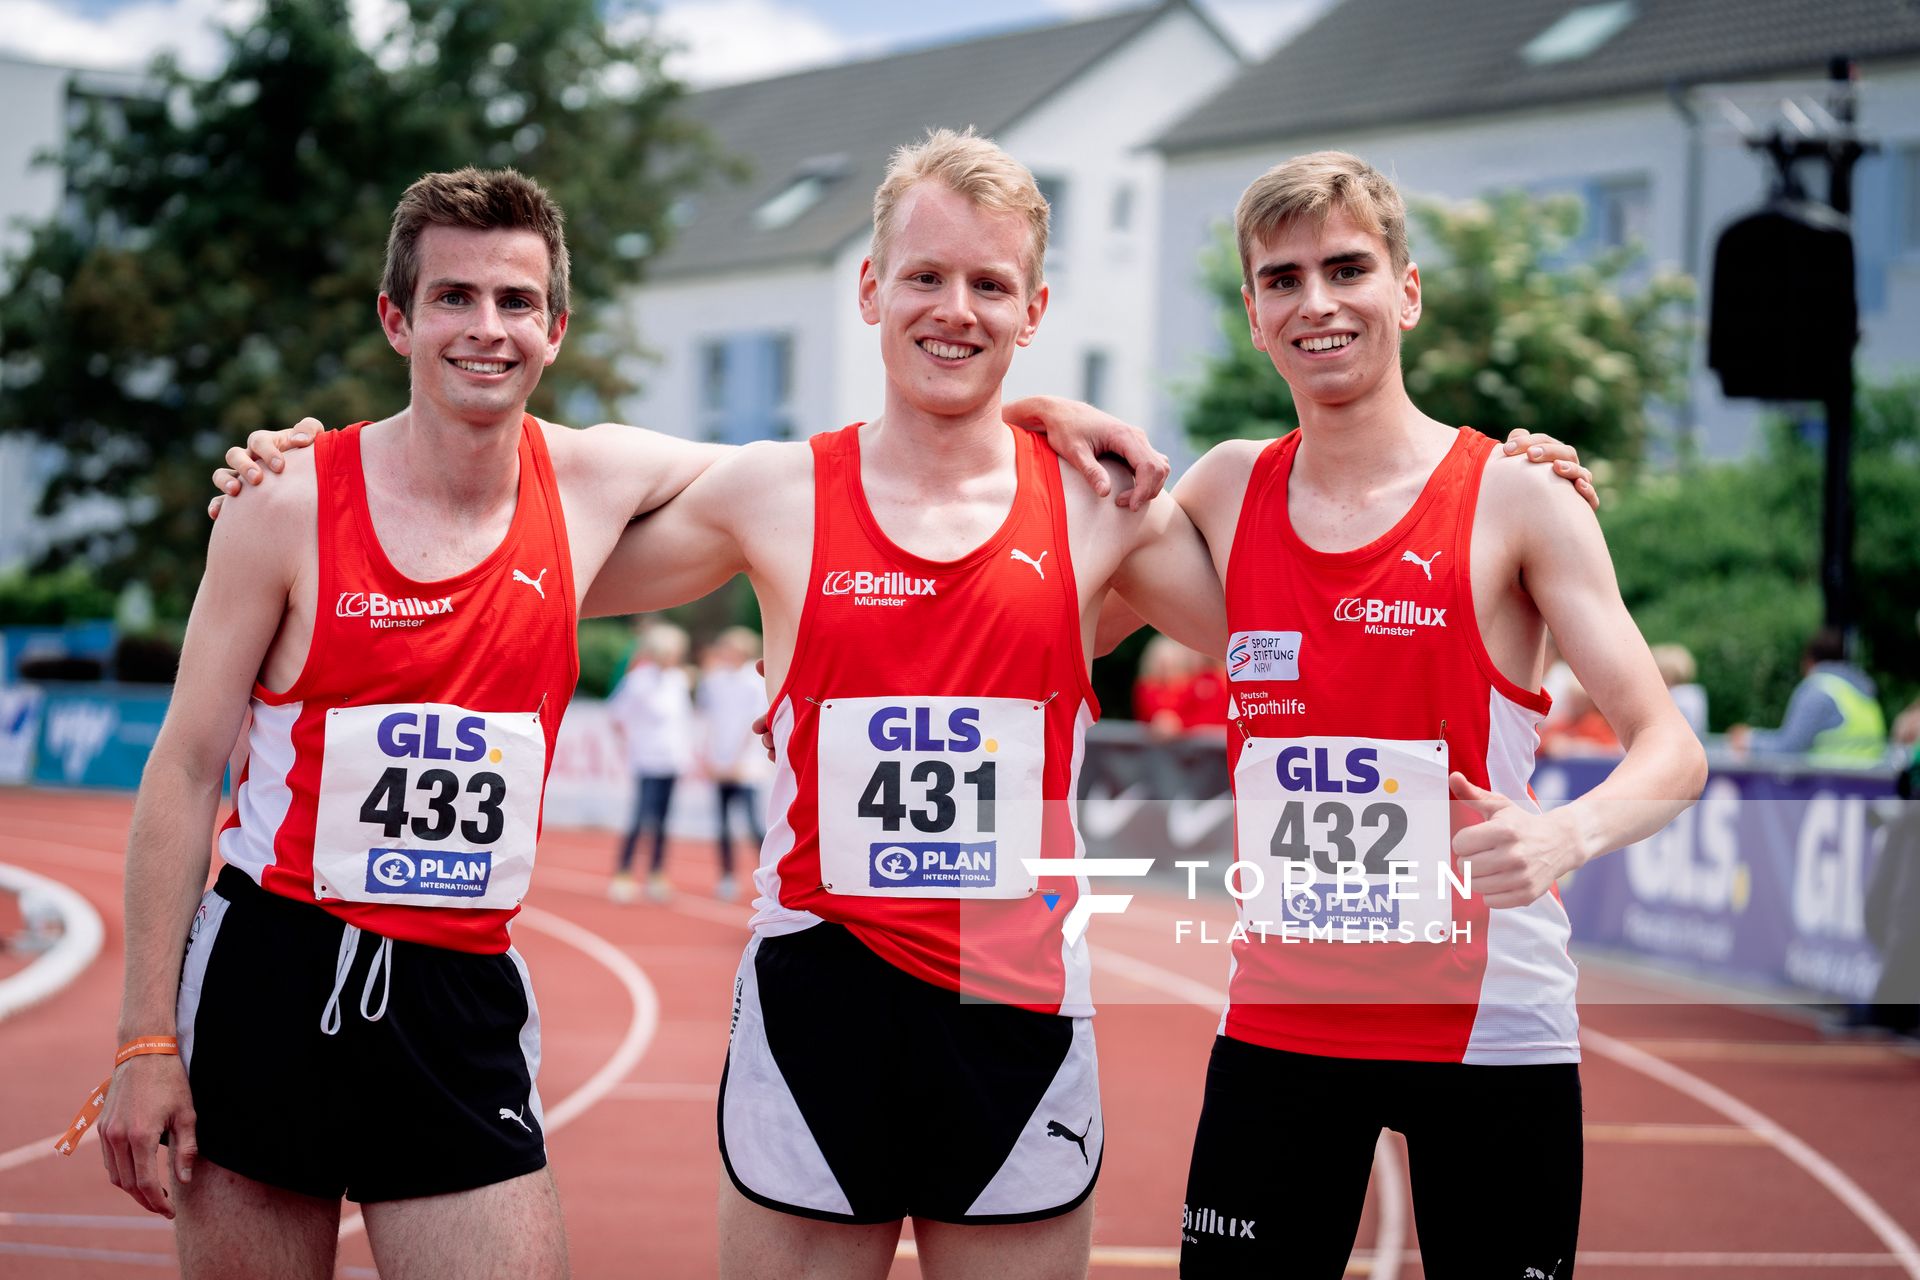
(694, 543)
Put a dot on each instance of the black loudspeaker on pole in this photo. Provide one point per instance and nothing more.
(1794, 258)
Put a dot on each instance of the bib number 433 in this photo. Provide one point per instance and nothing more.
(428, 804)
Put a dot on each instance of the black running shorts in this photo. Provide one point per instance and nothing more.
(433, 1095)
(1285, 1147)
(857, 1093)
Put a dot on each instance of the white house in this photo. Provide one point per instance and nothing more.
(750, 315)
(1609, 101)
(39, 104)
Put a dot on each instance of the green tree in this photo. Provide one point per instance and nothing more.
(1724, 558)
(216, 269)
(1512, 335)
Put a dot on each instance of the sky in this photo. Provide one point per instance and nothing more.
(723, 40)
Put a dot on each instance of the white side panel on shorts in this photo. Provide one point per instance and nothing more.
(530, 1042)
(1076, 997)
(770, 919)
(768, 1143)
(263, 799)
(1526, 1012)
(1047, 1169)
(193, 973)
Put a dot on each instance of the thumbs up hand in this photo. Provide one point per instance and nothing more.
(1513, 856)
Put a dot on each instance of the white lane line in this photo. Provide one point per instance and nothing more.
(1821, 1169)
(67, 1253)
(89, 1221)
(593, 884)
(1368, 1262)
(1388, 1177)
(663, 1091)
(81, 934)
(39, 1149)
(632, 1046)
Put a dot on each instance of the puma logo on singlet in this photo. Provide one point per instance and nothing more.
(504, 1113)
(1057, 1130)
(1024, 558)
(532, 582)
(1426, 566)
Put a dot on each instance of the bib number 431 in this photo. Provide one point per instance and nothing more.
(930, 797)
(882, 801)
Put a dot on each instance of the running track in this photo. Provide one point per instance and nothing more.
(1721, 1141)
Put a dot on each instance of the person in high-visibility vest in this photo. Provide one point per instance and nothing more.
(1833, 717)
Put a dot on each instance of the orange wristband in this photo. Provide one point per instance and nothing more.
(90, 1110)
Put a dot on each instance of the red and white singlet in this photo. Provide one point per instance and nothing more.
(398, 781)
(1357, 679)
(928, 740)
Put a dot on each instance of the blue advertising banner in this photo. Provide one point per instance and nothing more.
(73, 639)
(19, 728)
(1763, 882)
(98, 735)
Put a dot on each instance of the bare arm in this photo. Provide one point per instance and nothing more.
(627, 470)
(690, 546)
(1080, 433)
(236, 614)
(1168, 578)
(1565, 568)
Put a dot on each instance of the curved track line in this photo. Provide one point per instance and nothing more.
(80, 938)
(632, 1047)
(1821, 1169)
(1390, 1241)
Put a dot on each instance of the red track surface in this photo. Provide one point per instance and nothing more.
(1688, 1175)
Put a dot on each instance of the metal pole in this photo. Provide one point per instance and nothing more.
(1836, 533)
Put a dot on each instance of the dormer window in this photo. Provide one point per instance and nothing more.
(800, 193)
(1578, 32)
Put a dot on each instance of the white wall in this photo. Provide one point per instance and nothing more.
(1538, 150)
(33, 103)
(673, 319)
(1092, 134)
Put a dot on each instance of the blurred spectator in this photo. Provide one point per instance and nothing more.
(1203, 709)
(1179, 691)
(1160, 690)
(652, 711)
(731, 695)
(1678, 670)
(1580, 729)
(1833, 717)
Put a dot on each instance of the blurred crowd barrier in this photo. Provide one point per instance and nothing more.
(1765, 884)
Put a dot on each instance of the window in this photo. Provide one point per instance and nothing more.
(1908, 180)
(1093, 379)
(1619, 212)
(746, 387)
(1122, 216)
(800, 193)
(1054, 191)
(1886, 220)
(1577, 33)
